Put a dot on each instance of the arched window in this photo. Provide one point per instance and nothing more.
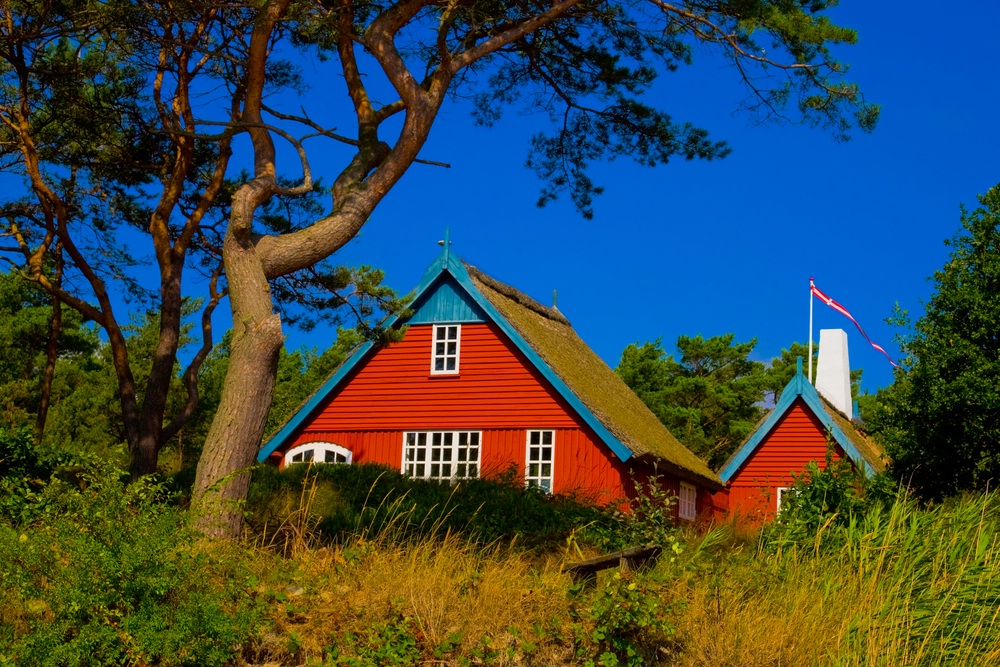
(318, 452)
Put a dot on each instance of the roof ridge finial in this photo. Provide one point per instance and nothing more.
(447, 244)
(798, 365)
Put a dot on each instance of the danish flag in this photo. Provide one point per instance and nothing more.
(843, 311)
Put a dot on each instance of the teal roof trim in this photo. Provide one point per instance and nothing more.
(315, 402)
(446, 264)
(798, 387)
(446, 301)
(614, 444)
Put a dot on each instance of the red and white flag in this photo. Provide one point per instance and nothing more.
(843, 311)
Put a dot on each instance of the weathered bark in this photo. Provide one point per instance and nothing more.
(222, 479)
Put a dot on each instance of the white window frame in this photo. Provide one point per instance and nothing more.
(318, 451)
(442, 455)
(535, 460)
(780, 493)
(687, 501)
(445, 355)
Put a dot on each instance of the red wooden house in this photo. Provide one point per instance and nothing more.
(485, 379)
(802, 427)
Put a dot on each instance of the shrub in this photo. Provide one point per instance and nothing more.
(372, 499)
(626, 622)
(96, 572)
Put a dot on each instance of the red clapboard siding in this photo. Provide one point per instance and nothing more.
(498, 392)
(495, 389)
(582, 467)
(798, 438)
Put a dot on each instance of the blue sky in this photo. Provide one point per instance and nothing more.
(727, 246)
(712, 247)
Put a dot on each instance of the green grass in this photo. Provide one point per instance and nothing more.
(355, 567)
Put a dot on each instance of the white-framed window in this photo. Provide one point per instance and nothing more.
(783, 493)
(687, 502)
(539, 458)
(441, 455)
(318, 452)
(446, 347)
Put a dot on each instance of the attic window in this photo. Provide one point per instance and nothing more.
(539, 459)
(441, 455)
(444, 353)
(318, 452)
(687, 506)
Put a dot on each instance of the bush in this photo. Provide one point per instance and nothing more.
(95, 572)
(373, 499)
(626, 622)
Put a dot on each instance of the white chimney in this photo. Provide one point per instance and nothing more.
(833, 370)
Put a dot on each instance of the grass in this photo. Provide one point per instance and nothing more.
(899, 586)
(96, 573)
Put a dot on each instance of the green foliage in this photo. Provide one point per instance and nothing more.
(939, 418)
(817, 498)
(25, 316)
(390, 643)
(19, 457)
(372, 499)
(94, 572)
(709, 398)
(783, 368)
(648, 518)
(625, 623)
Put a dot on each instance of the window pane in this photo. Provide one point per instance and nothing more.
(474, 438)
(546, 453)
(534, 437)
(452, 333)
(473, 470)
(533, 453)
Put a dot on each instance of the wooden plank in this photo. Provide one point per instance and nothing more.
(632, 559)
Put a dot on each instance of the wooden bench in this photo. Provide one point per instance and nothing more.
(633, 558)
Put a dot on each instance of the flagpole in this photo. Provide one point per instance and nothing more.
(810, 376)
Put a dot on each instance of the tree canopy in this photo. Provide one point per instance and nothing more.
(710, 397)
(939, 419)
(123, 117)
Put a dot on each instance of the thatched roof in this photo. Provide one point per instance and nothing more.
(610, 400)
(871, 451)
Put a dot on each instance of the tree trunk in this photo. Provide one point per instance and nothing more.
(51, 354)
(234, 437)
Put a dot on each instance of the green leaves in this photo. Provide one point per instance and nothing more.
(939, 418)
(709, 398)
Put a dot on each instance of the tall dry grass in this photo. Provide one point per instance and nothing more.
(900, 586)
